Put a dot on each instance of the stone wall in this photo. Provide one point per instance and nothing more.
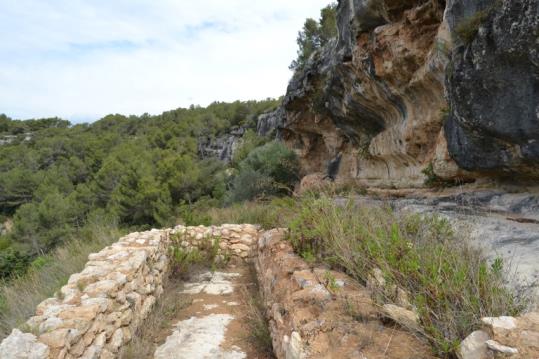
(100, 308)
(315, 312)
(233, 241)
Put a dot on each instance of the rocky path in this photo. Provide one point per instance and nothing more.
(215, 325)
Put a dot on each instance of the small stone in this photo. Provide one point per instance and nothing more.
(474, 346)
(60, 338)
(404, 317)
(507, 323)
(116, 341)
(240, 247)
(293, 346)
(497, 347)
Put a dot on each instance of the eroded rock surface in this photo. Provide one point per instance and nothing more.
(493, 87)
(375, 97)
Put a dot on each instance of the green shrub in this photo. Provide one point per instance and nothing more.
(270, 170)
(451, 284)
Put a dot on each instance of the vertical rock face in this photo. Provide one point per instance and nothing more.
(376, 95)
(221, 147)
(493, 87)
(270, 124)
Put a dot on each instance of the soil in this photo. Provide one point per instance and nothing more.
(217, 317)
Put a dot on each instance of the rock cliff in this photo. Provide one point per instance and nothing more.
(221, 147)
(410, 84)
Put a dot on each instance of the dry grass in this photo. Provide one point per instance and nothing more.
(269, 214)
(452, 285)
(20, 296)
(144, 341)
(256, 321)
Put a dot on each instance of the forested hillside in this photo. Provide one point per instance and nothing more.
(138, 171)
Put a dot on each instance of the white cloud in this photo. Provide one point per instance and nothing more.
(82, 59)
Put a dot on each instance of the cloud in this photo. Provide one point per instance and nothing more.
(82, 59)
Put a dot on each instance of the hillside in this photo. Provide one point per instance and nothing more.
(133, 172)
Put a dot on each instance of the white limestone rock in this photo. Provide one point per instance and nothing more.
(19, 345)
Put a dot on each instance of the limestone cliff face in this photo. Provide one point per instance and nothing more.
(221, 147)
(399, 90)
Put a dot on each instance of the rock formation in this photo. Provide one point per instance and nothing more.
(414, 83)
(221, 147)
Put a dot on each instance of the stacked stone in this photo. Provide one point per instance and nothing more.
(101, 307)
(504, 337)
(235, 240)
(313, 310)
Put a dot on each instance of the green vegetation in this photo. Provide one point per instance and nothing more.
(468, 27)
(432, 180)
(269, 170)
(47, 273)
(183, 259)
(141, 171)
(315, 35)
(451, 284)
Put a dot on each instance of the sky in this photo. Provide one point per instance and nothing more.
(83, 59)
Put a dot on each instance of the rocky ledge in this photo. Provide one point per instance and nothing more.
(448, 86)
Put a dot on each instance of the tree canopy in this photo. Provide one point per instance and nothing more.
(315, 35)
(141, 170)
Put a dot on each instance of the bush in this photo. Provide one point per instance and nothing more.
(451, 284)
(270, 170)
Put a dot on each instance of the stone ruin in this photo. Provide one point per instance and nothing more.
(313, 311)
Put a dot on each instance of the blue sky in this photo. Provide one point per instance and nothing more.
(83, 59)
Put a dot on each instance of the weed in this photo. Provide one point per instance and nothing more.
(259, 332)
(330, 282)
(207, 254)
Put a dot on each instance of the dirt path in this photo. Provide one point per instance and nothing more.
(215, 324)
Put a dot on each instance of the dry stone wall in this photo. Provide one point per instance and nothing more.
(100, 308)
(230, 240)
(315, 312)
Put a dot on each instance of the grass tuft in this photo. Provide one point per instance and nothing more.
(256, 321)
